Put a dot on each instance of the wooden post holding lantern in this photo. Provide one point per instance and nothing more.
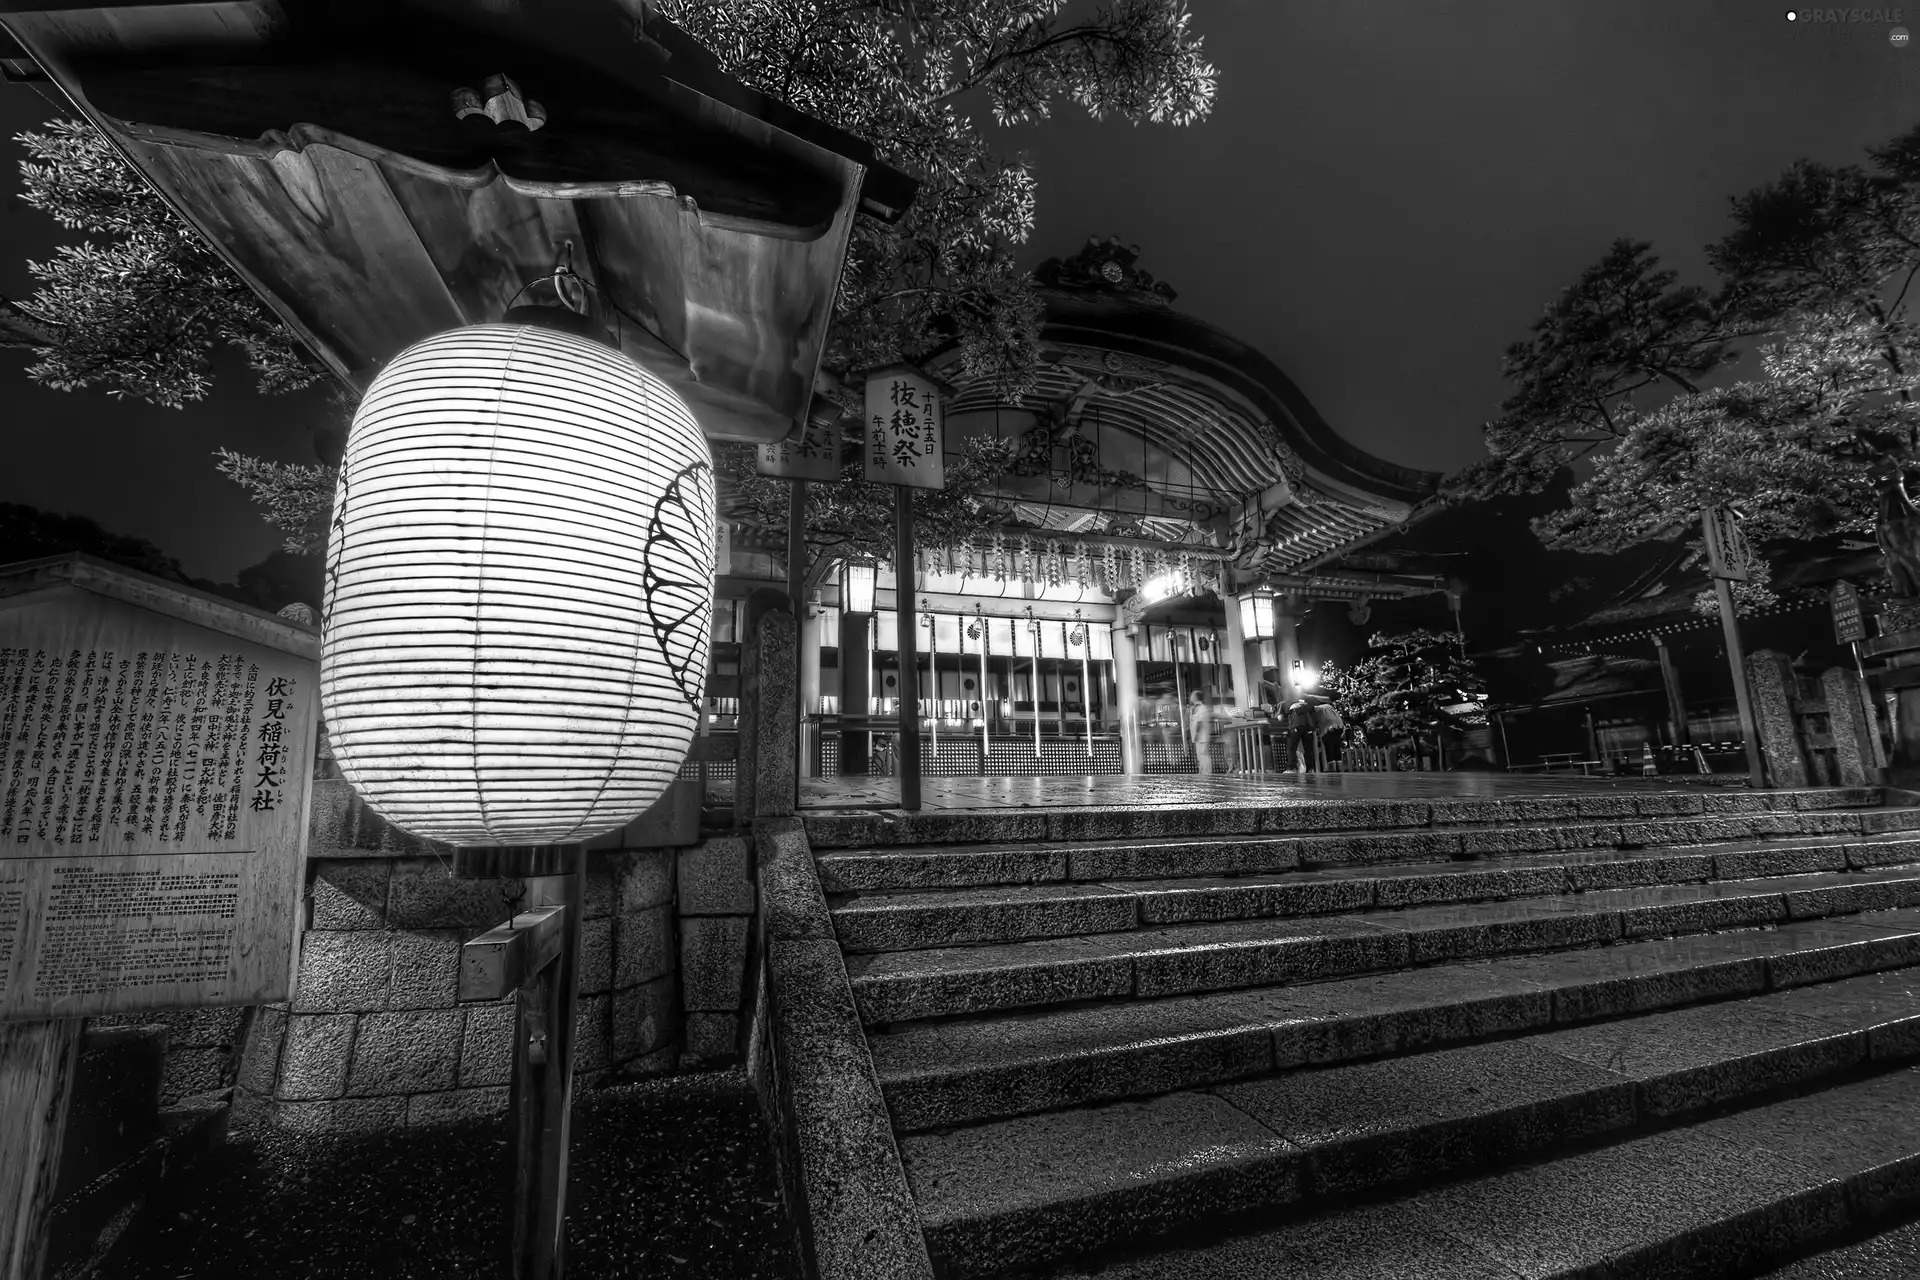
(904, 447)
(535, 957)
(811, 453)
(156, 751)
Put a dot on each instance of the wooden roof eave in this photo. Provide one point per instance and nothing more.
(362, 249)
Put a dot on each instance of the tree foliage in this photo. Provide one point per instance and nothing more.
(1413, 683)
(908, 76)
(141, 314)
(1818, 267)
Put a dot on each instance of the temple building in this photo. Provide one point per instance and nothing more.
(1169, 503)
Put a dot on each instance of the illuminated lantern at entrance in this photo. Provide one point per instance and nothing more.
(519, 589)
(1257, 615)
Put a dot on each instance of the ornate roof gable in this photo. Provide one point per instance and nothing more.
(1106, 266)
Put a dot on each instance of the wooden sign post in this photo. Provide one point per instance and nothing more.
(535, 957)
(156, 751)
(905, 447)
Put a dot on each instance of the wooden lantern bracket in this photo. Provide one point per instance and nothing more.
(535, 958)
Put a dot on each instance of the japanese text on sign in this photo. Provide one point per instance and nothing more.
(99, 745)
(903, 438)
(813, 455)
(1849, 623)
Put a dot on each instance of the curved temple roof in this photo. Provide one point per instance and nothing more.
(1144, 420)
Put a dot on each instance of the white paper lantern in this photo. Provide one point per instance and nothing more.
(519, 589)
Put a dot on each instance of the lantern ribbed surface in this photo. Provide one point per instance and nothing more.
(519, 589)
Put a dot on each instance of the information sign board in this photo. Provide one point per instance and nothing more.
(905, 438)
(156, 754)
(1849, 621)
(812, 454)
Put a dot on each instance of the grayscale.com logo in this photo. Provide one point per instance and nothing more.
(1846, 15)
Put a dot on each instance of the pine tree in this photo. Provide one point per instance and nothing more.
(1619, 373)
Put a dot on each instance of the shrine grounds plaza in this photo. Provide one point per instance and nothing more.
(1101, 791)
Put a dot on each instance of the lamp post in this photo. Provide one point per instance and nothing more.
(856, 614)
(986, 739)
(933, 680)
(1082, 639)
(1033, 678)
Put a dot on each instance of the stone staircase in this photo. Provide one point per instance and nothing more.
(1622, 1032)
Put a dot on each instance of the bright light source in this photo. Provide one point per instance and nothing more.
(857, 582)
(1256, 615)
(1306, 678)
(519, 589)
(1164, 587)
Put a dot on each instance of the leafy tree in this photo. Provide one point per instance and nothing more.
(1414, 683)
(1818, 266)
(140, 314)
(905, 74)
(29, 533)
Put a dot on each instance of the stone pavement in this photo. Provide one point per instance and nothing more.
(1382, 1025)
(1156, 790)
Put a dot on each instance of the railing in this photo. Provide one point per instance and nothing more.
(1361, 758)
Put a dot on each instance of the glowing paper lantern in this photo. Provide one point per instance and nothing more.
(857, 582)
(1256, 615)
(519, 589)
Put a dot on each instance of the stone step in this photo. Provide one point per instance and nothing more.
(1026, 1191)
(1190, 958)
(1310, 809)
(958, 1071)
(965, 866)
(1721, 1197)
(925, 919)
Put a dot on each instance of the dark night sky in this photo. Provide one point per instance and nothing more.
(1384, 198)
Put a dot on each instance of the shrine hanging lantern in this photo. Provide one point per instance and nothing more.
(857, 584)
(519, 589)
(1256, 615)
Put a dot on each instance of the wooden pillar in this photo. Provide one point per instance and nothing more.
(1676, 704)
(1246, 694)
(37, 1061)
(1286, 639)
(813, 636)
(907, 623)
(1126, 679)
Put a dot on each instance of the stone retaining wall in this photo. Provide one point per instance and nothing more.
(373, 1036)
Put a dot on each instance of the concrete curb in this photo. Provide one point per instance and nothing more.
(838, 1163)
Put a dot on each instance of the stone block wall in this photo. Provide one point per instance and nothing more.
(716, 907)
(374, 1037)
(202, 1048)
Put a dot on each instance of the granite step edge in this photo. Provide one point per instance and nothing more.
(924, 919)
(904, 985)
(960, 1071)
(868, 828)
(1727, 1195)
(962, 866)
(1003, 1194)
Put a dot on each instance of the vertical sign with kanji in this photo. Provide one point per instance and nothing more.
(904, 441)
(156, 746)
(811, 454)
(1849, 623)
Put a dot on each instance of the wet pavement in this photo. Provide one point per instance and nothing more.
(1195, 790)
